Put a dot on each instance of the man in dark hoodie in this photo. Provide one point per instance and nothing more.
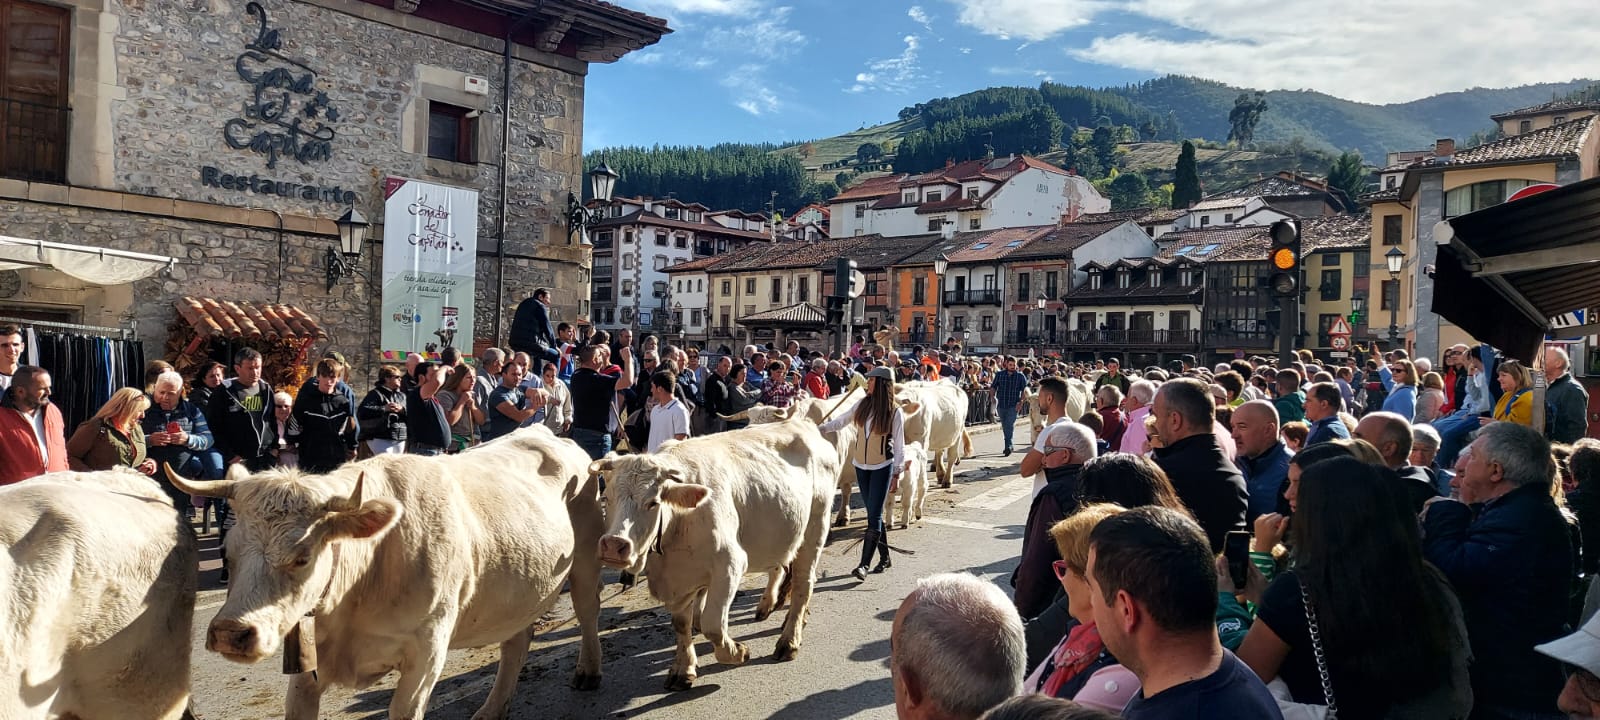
(241, 416)
(1206, 479)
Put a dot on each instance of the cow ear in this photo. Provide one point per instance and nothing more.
(684, 495)
(371, 519)
(237, 472)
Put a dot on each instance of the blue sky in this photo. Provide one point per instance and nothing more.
(777, 70)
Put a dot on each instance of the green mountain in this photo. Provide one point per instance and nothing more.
(1333, 124)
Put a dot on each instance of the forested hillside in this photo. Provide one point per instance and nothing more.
(722, 177)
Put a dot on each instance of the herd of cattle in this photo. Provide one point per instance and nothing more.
(386, 564)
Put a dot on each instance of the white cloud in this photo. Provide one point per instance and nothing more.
(1367, 51)
(1031, 20)
(648, 57)
(966, 51)
(750, 92)
(898, 74)
(769, 37)
(920, 17)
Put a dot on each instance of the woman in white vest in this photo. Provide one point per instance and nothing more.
(878, 455)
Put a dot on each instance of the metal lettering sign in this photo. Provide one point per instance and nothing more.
(285, 115)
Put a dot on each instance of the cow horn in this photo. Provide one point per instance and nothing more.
(353, 502)
(782, 413)
(203, 488)
(736, 417)
(603, 465)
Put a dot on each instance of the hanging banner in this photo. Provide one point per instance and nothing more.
(430, 251)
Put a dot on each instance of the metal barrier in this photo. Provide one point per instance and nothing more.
(980, 406)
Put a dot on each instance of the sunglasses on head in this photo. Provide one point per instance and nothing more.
(1060, 567)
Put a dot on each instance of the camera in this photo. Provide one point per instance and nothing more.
(397, 427)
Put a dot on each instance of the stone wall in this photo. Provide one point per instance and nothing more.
(176, 87)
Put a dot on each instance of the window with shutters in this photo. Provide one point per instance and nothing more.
(1023, 281)
(727, 288)
(802, 289)
(750, 286)
(1391, 229)
(919, 291)
(34, 117)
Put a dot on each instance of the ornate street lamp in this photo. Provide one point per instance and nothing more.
(602, 181)
(940, 265)
(352, 235)
(1395, 260)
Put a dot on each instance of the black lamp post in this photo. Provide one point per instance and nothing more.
(352, 235)
(602, 181)
(1395, 260)
(940, 265)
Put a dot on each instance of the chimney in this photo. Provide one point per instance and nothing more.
(949, 163)
(1444, 147)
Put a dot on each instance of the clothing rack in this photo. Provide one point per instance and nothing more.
(128, 333)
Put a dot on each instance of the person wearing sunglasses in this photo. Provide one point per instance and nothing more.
(1399, 378)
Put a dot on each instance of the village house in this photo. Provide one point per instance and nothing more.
(984, 194)
(1042, 272)
(635, 242)
(1449, 182)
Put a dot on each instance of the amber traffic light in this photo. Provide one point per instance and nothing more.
(1285, 258)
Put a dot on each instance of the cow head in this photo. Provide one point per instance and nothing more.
(641, 490)
(280, 555)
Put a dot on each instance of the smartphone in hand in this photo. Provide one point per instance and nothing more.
(1236, 548)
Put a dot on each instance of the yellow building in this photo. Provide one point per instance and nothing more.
(1451, 182)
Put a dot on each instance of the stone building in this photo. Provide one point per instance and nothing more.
(227, 135)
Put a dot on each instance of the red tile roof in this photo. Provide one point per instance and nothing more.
(1557, 141)
(1552, 106)
(871, 188)
(996, 244)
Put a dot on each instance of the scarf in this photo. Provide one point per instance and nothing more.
(1078, 651)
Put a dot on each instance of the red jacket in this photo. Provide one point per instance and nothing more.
(19, 447)
(816, 384)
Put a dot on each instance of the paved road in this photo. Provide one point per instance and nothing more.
(842, 670)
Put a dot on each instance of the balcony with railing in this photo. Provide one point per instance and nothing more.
(1134, 338)
(722, 332)
(1034, 337)
(912, 337)
(33, 141)
(1241, 339)
(972, 297)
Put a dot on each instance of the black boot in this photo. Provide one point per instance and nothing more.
(883, 550)
(868, 544)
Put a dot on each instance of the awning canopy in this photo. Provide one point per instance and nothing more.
(1503, 272)
(227, 319)
(101, 266)
(800, 315)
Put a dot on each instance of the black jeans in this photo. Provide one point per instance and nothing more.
(874, 489)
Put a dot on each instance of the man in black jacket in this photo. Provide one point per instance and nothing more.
(241, 415)
(531, 331)
(716, 396)
(1507, 551)
(1206, 480)
(1391, 435)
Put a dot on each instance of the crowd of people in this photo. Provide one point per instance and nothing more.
(1374, 541)
(1383, 539)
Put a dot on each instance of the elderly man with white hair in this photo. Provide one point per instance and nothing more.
(1135, 408)
(1512, 564)
(1568, 401)
(1067, 446)
(176, 434)
(1424, 448)
(956, 649)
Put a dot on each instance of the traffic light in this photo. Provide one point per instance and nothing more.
(1284, 259)
(844, 270)
(835, 309)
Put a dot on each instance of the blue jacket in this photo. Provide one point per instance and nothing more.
(189, 419)
(1265, 478)
(1402, 398)
(1328, 428)
(1512, 567)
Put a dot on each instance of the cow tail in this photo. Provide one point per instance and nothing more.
(966, 444)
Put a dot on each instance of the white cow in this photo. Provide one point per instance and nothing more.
(97, 590)
(940, 425)
(819, 410)
(701, 513)
(400, 558)
(913, 490)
